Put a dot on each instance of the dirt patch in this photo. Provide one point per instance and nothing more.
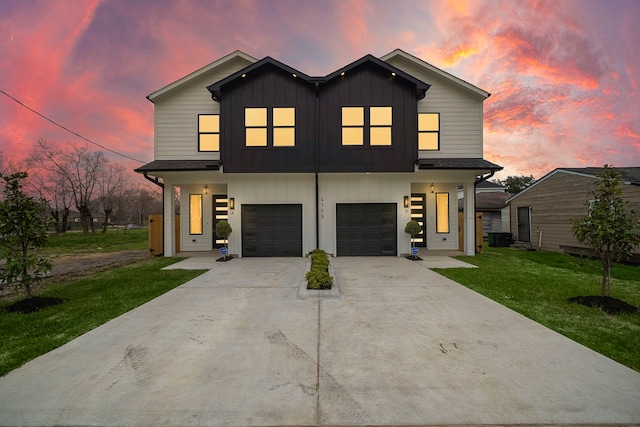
(69, 267)
(607, 304)
(30, 305)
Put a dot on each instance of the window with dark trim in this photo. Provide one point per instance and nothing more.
(428, 131)
(195, 214)
(281, 121)
(284, 127)
(442, 212)
(355, 120)
(208, 132)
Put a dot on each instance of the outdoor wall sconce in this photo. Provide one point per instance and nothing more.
(406, 201)
(433, 188)
(206, 189)
(232, 203)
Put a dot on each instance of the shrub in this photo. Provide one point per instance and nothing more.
(318, 276)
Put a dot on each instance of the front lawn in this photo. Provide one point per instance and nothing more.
(538, 284)
(114, 240)
(89, 302)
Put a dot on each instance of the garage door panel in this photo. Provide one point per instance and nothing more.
(366, 229)
(271, 230)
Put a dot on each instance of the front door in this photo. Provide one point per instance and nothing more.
(524, 224)
(220, 212)
(419, 214)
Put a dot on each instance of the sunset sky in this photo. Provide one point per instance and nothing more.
(563, 75)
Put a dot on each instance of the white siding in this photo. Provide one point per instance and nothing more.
(273, 189)
(440, 241)
(176, 117)
(460, 115)
(362, 188)
(195, 242)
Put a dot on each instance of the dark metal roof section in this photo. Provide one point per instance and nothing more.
(425, 164)
(421, 87)
(180, 165)
(216, 88)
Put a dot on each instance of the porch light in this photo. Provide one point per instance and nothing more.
(432, 188)
(406, 201)
(206, 189)
(393, 74)
(232, 203)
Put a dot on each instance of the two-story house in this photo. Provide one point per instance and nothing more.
(340, 162)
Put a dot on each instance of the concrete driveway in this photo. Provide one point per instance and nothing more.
(401, 345)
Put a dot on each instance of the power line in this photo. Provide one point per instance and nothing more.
(67, 129)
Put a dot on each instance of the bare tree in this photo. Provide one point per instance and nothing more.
(109, 186)
(57, 192)
(78, 167)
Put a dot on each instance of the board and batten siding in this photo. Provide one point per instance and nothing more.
(461, 115)
(176, 117)
(553, 203)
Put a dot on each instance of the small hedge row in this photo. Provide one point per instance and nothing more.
(318, 276)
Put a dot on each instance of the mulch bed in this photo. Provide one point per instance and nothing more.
(609, 305)
(30, 305)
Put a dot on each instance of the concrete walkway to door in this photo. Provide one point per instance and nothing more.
(402, 345)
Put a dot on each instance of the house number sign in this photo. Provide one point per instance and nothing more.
(322, 208)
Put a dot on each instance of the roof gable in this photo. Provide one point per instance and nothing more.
(370, 60)
(216, 88)
(458, 82)
(367, 60)
(234, 57)
(630, 176)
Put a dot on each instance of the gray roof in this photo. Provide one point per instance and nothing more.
(455, 163)
(180, 165)
(487, 201)
(630, 174)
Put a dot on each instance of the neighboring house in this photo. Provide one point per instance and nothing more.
(491, 200)
(340, 162)
(541, 214)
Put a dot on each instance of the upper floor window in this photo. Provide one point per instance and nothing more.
(428, 131)
(209, 132)
(380, 125)
(355, 120)
(282, 121)
(255, 122)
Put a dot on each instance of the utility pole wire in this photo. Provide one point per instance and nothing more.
(67, 129)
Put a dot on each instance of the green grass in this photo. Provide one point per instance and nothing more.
(111, 241)
(538, 284)
(89, 302)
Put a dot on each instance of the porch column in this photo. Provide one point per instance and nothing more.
(469, 219)
(169, 217)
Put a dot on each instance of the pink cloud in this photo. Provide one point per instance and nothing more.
(563, 75)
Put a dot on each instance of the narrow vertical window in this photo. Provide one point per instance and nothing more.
(284, 122)
(195, 214)
(428, 131)
(352, 125)
(442, 212)
(209, 132)
(255, 121)
(380, 125)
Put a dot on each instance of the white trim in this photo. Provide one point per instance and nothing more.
(458, 81)
(180, 82)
